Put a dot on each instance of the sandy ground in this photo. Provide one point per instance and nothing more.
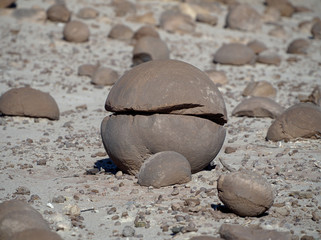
(34, 54)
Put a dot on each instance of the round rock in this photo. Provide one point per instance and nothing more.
(258, 107)
(302, 120)
(121, 32)
(76, 31)
(259, 89)
(104, 76)
(28, 102)
(164, 169)
(58, 13)
(298, 46)
(145, 31)
(316, 30)
(245, 193)
(234, 54)
(243, 17)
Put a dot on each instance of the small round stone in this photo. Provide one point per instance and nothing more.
(121, 32)
(76, 31)
(234, 54)
(128, 231)
(298, 46)
(58, 13)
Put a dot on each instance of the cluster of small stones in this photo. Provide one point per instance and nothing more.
(243, 193)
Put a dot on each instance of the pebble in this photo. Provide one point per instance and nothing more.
(58, 13)
(121, 32)
(259, 89)
(104, 76)
(87, 13)
(269, 57)
(257, 46)
(76, 31)
(234, 54)
(22, 191)
(59, 199)
(128, 231)
(316, 30)
(298, 46)
(173, 21)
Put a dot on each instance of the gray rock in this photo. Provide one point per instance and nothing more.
(258, 107)
(259, 89)
(245, 193)
(257, 46)
(243, 17)
(164, 169)
(234, 54)
(121, 32)
(302, 120)
(316, 30)
(76, 31)
(87, 13)
(128, 231)
(146, 31)
(28, 102)
(238, 232)
(58, 13)
(104, 76)
(298, 46)
(173, 21)
(269, 57)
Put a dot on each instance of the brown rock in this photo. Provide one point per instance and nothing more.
(218, 77)
(76, 31)
(28, 102)
(123, 7)
(155, 48)
(121, 32)
(182, 93)
(243, 17)
(269, 57)
(306, 26)
(258, 107)
(299, 121)
(6, 3)
(87, 70)
(257, 46)
(192, 10)
(271, 14)
(189, 116)
(316, 30)
(259, 89)
(278, 32)
(36, 234)
(58, 13)
(147, 18)
(104, 76)
(164, 169)
(207, 18)
(17, 216)
(245, 193)
(146, 31)
(298, 46)
(284, 6)
(172, 21)
(130, 139)
(234, 54)
(238, 232)
(87, 13)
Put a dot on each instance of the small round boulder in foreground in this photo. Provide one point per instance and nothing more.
(245, 193)
(302, 120)
(164, 169)
(76, 31)
(28, 102)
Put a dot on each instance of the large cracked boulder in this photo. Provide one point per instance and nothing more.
(302, 120)
(164, 105)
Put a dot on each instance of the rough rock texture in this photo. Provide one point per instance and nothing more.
(302, 120)
(164, 169)
(146, 31)
(234, 54)
(104, 76)
(17, 216)
(238, 232)
(259, 89)
(245, 193)
(258, 107)
(28, 102)
(36, 234)
(153, 46)
(269, 57)
(316, 30)
(58, 13)
(172, 21)
(121, 32)
(218, 77)
(183, 91)
(284, 6)
(76, 31)
(130, 139)
(257, 46)
(243, 17)
(298, 46)
(87, 13)
(189, 122)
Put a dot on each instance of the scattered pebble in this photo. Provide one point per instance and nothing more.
(76, 31)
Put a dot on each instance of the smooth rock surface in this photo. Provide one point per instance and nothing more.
(302, 120)
(121, 32)
(58, 13)
(130, 139)
(76, 31)
(298, 46)
(245, 193)
(146, 31)
(172, 22)
(269, 57)
(259, 89)
(28, 102)
(258, 107)
(104, 76)
(234, 54)
(164, 169)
